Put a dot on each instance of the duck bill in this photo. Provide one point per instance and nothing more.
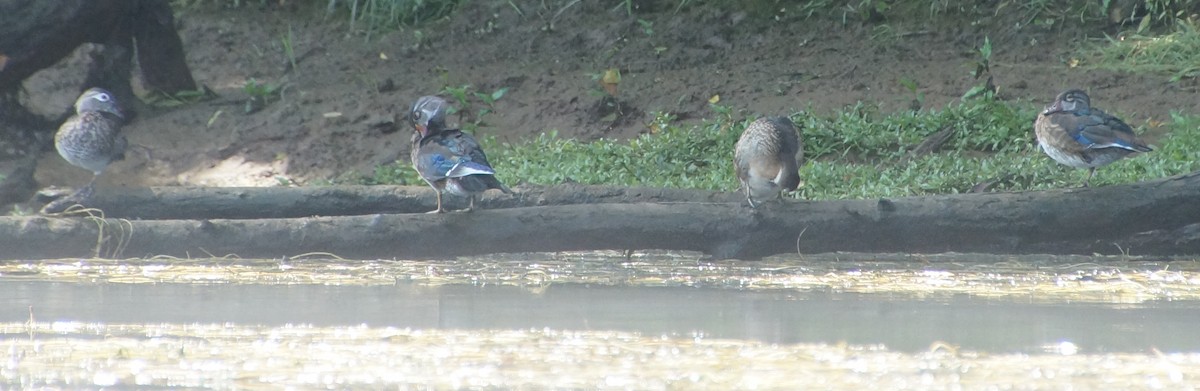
(1055, 107)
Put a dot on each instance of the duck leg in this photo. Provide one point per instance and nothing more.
(439, 203)
(470, 203)
(1091, 172)
(749, 198)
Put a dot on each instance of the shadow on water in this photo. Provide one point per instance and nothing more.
(901, 323)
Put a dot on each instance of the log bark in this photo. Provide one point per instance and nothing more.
(1150, 218)
(281, 202)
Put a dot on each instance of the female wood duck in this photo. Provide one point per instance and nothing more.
(448, 159)
(765, 158)
(1073, 133)
(91, 139)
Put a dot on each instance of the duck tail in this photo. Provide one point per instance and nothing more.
(469, 168)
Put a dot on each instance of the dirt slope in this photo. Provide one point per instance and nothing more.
(332, 118)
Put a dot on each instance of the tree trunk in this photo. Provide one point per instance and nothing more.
(1151, 218)
(158, 44)
(37, 34)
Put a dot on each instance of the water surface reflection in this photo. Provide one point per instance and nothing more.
(779, 317)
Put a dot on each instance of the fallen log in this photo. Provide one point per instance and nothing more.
(1149, 218)
(280, 202)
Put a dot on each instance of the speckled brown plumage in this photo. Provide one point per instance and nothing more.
(765, 158)
(92, 139)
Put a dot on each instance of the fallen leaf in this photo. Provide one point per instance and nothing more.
(213, 118)
(610, 80)
(611, 76)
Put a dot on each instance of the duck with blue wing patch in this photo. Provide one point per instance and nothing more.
(1074, 133)
(448, 159)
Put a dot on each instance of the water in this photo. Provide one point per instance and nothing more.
(898, 322)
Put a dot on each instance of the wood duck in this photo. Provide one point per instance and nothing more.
(92, 139)
(1074, 133)
(448, 159)
(765, 158)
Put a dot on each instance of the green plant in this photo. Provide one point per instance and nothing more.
(660, 120)
(489, 100)
(983, 67)
(260, 94)
(376, 15)
(627, 4)
(724, 114)
(883, 35)
(289, 50)
(1167, 10)
(911, 86)
(466, 99)
(647, 27)
(461, 96)
(868, 10)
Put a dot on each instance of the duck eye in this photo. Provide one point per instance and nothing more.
(417, 114)
(103, 97)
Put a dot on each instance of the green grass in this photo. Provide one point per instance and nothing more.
(855, 153)
(382, 14)
(374, 15)
(361, 15)
(1176, 53)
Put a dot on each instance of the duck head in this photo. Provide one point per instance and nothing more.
(428, 115)
(98, 100)
(1070, 101)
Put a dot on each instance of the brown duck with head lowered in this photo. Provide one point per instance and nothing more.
(766, 158)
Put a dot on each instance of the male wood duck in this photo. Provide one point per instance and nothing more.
(1074, 133)
(91, 139)
(765, 158)
(448, 159)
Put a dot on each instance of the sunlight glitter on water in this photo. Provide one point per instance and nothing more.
(1040, 278)
(305, 357)
(605, 320)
